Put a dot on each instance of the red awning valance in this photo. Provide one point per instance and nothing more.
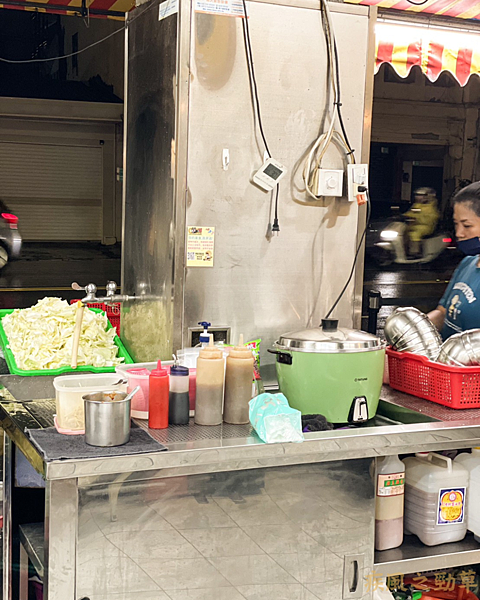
(463, 9)
(433, 50)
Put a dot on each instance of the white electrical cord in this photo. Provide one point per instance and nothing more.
(321, 145)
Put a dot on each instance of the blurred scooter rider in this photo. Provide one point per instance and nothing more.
(423, 218)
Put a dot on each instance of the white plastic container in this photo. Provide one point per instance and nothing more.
(389, 499)
(435, 498)
(471, 462)
(69, 392)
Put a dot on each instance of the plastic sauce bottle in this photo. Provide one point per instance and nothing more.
(210, 383)
(471, 462)
(158, 398)
(389, 499)
(179, 397)
(238, 384)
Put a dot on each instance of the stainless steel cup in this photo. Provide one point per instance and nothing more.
(107, 419)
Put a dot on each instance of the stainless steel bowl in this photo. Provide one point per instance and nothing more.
(461, 349)
(409, 330)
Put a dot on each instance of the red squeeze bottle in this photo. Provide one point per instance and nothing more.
(158, 398)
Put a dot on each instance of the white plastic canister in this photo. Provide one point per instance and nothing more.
(435, 498)
(471, 462)
(69, 392)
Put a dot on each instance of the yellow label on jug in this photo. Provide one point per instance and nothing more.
(392, 484)
(451, 506)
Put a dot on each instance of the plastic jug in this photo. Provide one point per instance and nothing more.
(238, 384)
(471, 462)
(210, 384)
(389, 503)
(435, 498)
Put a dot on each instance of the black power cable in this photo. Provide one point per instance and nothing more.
(369, 212)
(256, 102)
(339, 102)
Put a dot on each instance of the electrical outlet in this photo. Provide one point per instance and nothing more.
(357, 175)
(329, 182)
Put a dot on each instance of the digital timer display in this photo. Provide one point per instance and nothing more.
(272, 171)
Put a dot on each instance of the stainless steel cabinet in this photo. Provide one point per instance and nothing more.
(283, 533)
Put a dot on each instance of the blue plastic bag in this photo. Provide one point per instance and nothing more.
(274, 420)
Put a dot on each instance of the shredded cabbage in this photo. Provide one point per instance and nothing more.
(41, 337)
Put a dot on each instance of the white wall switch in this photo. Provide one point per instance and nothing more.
(329, 182)
(357, 175)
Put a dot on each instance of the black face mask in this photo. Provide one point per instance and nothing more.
(469, 247)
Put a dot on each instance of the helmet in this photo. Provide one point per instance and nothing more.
(427, 194)
(425, 191)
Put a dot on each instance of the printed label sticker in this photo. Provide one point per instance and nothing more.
(167, 8)
(200, 246)
(451, 506)
(231, 8)
(391, 485)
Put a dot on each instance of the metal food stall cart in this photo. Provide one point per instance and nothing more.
(222, 514)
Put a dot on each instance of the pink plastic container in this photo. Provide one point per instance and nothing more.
(139, 377)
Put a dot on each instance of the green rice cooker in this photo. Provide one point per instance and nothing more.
(331, 370)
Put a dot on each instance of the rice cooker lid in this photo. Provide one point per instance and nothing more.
(329, 338)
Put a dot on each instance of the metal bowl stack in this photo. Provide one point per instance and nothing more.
(409, 330)
(461, 349)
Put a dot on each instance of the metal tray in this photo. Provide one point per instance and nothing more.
(12, 365)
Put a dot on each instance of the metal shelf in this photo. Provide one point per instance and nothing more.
(32, 539)
(413, 557)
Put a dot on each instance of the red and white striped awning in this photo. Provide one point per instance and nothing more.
(463, 9)
(434, 50)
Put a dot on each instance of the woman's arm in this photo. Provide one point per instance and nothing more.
(437, 317)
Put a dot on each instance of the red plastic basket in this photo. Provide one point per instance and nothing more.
(113, 312)
(456, 387)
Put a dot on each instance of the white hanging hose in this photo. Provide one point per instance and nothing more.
(321, 145)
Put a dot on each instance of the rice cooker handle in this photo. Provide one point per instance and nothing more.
(282, 357)
(329, 324)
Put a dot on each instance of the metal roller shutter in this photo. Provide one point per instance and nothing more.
(55, 190)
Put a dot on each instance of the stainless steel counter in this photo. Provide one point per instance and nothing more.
(417, 425)
(233, 517)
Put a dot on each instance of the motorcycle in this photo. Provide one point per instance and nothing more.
(386, 244)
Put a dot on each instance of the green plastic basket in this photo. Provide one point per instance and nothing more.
(12, 365)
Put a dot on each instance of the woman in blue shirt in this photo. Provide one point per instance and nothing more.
(459, 308)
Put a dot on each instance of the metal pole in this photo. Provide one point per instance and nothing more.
(7, 517)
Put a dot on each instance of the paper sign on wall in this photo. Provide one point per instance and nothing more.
(200, 246)
(167, 8)
(231, 8)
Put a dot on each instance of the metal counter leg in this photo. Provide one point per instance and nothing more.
(61, 526)
(23, 574)
(113, 491)
(7, 517)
